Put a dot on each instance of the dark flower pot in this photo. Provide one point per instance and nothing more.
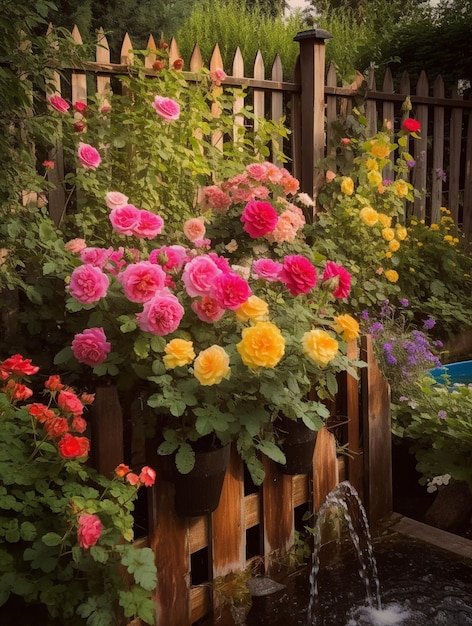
(298, 446)
(198, 492)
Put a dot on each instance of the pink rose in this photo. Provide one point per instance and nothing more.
(91, 346)
(298, 274)
(256, 171)
(141, 281)
(96, 256)
(230, 290)
(89, 530)
(88, 284)
(68, 402)
(161, 315)
(58, 103)
(125, 219)
(167, 108)
(147, 476)
(217, 76)
(194, 228)
(207, 309)
(132, 479)
(75, 245)
(217, 199)
(267, 269)
(115, 261)
(149, 225)
(339, 277)
(170, 258)
(115, 200)
(89, 156)
(259, 218)
(199, 275)
(79, 424)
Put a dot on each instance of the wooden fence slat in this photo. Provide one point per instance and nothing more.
(388, 111)
(174, 52)
(259, 95)
(438, 152)
(107, 430)
(216, 62)
(371, 105)
(196, 60)
(377, 437)
(331, 109)
(277, 108)
(238, 70)
(78, 80)
(455, 140)
(354, 460)
(421, 152)
(126, 57)
(467, 217)
(277, 513)
(102, 56)
(325, 467)
(150, 58)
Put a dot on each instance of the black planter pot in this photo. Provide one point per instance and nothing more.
(298, 446)
(198, 492)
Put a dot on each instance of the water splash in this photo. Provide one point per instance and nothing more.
(345, 499)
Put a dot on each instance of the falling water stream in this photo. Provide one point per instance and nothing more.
(406, 583)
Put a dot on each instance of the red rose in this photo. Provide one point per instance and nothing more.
(71, 447)
(411, 125)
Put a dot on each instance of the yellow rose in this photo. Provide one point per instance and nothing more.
(371, 165)
(262, 345)
(434, 226)
(374, 178)
(347, 185)
(401, 188)
(419, 244)
(253, 309)
(393, 245)
(388, 234)
(369, 215)
(392, 276)
(401, 233)
(320, 346)
(385, 220)
(448, 237)
(179, 352)
(211, 366)
(380, 149)
(388, 255)
(346, 326)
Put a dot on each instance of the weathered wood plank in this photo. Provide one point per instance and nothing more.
(438, 153)
(107, 430)
(377, 437)
(325, 467)
(277, 513)
(421, 150)
(455, 141)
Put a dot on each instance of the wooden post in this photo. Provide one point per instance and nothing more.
(354, 461)
(107, 430)
(377, 437)
(312, 109)
(325, 467)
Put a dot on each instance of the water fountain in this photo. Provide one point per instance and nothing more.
(406, 582)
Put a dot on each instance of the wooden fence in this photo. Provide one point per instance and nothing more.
(312, 101)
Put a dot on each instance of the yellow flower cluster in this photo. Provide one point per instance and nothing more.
(262, 345)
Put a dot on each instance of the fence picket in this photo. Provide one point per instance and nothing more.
(388, 112)
(238, 71)
(277, 107)
(455, 139)
(216, 62)
(102, 57)
(78, 80)
(174, 52)
(421, 145)
(196, 60)
(331, 108)
(371, 105)
(438, 152)
(126, 56)
(150, 58)
(259, 96)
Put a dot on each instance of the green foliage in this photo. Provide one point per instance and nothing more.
(43, 496)
(435, 271)
(436, 420)
(237, 23)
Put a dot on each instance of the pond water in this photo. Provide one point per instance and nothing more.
(459, 372)
(420, 585)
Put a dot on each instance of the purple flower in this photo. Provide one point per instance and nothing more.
(411, 163)
(429, 323)
(442, 415)
(365, 315)
(391, 360)
(404, 302)
(441, 174)
(403, 399)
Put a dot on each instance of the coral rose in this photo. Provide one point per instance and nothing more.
(89, 530)
(71, 447)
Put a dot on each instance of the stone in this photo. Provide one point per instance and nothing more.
(451, 508)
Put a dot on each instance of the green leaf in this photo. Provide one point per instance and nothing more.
(271, 450)
(185, 458)
(99, 554)
(51, 539)
(63, 355)
(140, 563)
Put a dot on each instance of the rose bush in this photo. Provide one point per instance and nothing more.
(229, 321)
(65, 530)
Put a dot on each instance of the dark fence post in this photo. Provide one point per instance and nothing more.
(312, 109)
